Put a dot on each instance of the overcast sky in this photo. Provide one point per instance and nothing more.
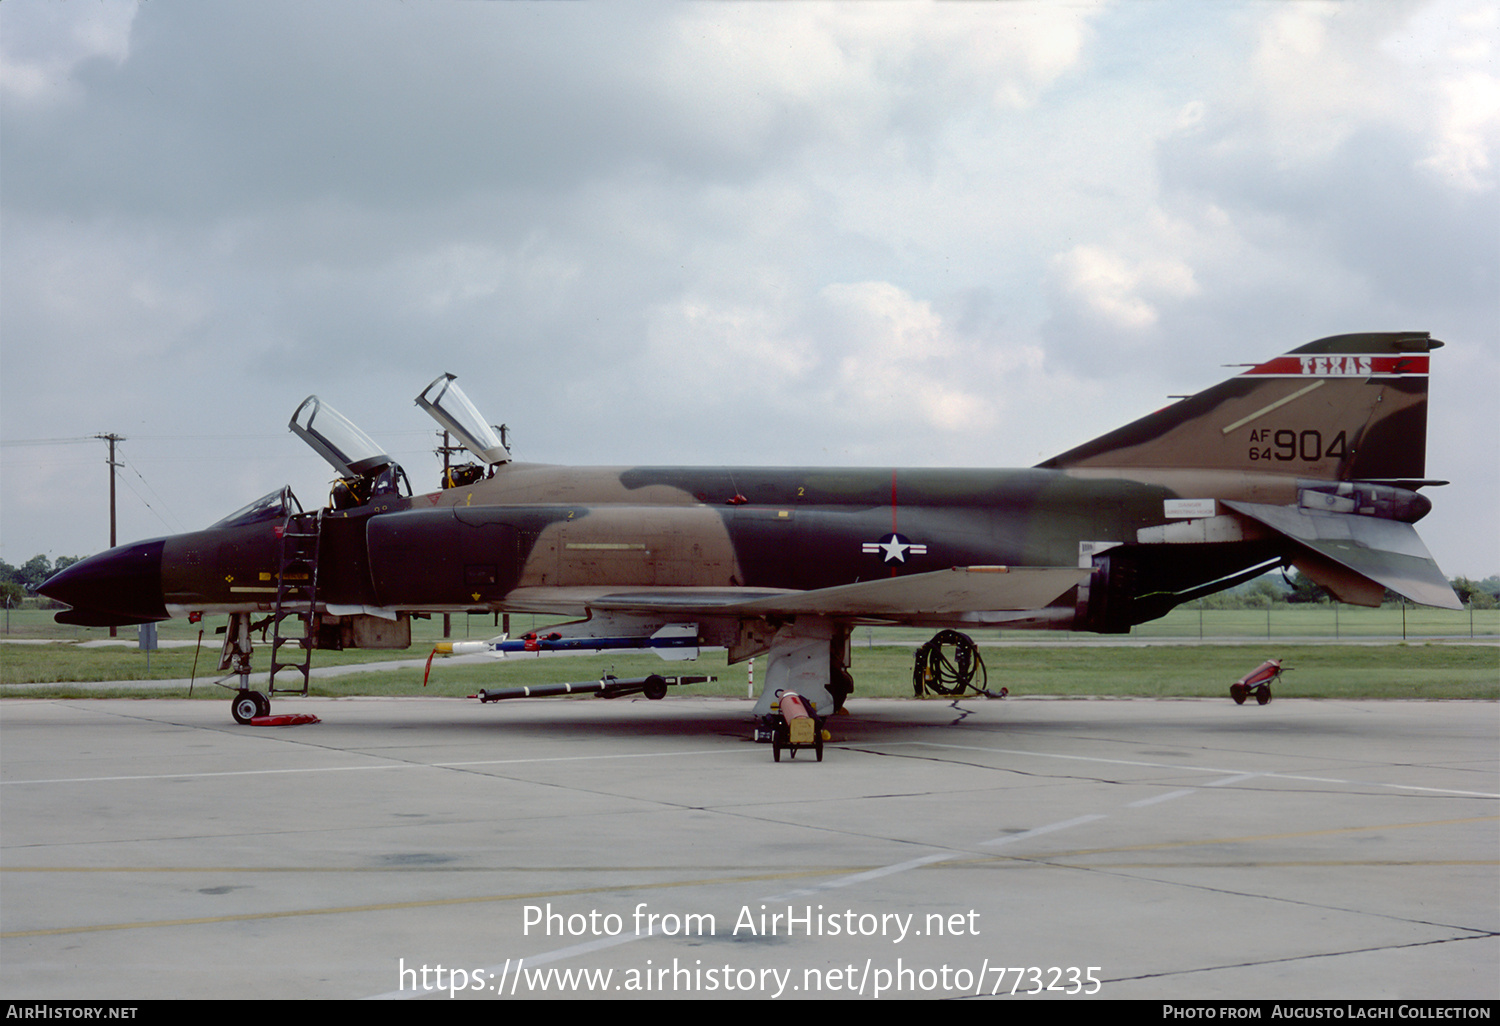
(968, 234)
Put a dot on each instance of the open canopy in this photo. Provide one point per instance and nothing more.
(336, 438)
(458, 416)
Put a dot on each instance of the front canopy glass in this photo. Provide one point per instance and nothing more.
(277, 505)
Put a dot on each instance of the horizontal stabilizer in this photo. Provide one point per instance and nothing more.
(1388, 553)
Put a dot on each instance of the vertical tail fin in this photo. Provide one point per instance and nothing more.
(1347, 407)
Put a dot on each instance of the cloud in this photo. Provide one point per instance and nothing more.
(1331, 182)
(1116, 289)
(1452, 48)
(43, 45)
(844, 71)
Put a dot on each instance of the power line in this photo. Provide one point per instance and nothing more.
(50, 441)
(177, 527)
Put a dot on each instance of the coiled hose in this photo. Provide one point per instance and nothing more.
(936, 672)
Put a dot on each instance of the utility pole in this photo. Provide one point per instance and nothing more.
(444, 450)
(112, 439)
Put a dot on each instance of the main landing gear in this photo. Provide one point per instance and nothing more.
(809, 656)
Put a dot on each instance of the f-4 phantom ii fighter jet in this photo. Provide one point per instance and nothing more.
(1312, 459)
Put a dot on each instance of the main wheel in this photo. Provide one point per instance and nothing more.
(840, 687)
(1263, 694)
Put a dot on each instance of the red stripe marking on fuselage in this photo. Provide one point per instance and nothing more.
(1343, 365)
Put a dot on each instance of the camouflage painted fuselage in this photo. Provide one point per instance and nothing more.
(538, 536)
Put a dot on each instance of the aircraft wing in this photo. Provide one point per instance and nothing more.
(958, 590)
(1388, 553)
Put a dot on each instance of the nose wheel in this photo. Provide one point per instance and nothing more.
(247, 705)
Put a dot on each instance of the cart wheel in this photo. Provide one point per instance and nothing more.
(1263, 695)
(1237, 692)
(818, 746)
(776, 749)
(656, 688)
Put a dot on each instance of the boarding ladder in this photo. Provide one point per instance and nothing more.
(296, 599)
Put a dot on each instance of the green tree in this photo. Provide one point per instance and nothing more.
(1473, 593)
(1267, 590)
(1305, 589)
(34, 571)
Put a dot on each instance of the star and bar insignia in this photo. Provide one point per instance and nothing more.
(895, 548)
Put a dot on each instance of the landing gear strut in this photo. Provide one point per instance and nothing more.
(246, 704)
(809, 656)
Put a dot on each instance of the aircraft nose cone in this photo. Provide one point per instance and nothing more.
(114, 588)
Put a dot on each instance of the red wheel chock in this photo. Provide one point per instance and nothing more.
(284, 720)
